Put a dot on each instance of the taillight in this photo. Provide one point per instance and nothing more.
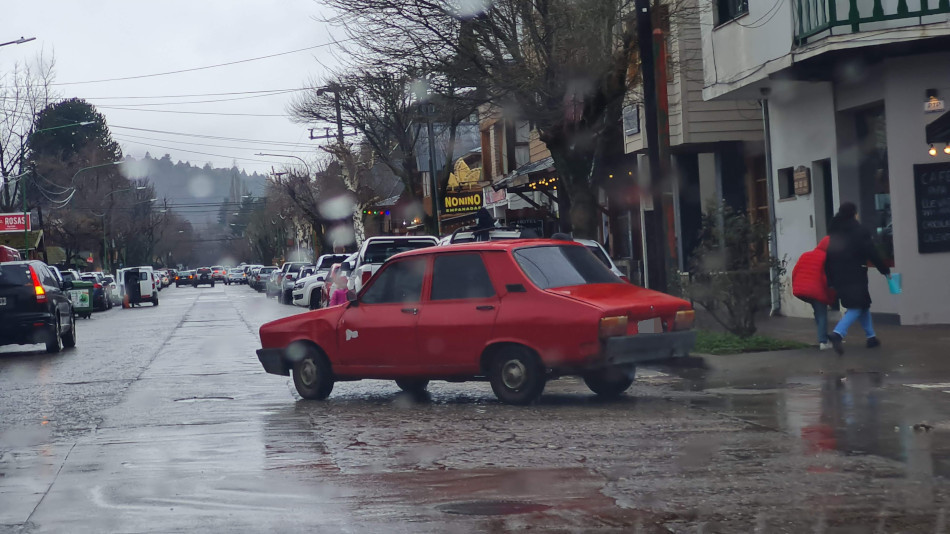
(625, 279)
(684, 320)
(97, 286)
(38, 287)
(613, 326)
(366, 276)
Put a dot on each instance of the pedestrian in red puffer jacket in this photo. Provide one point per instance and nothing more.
(810, 283)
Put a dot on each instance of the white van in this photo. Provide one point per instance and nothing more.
(138, 284)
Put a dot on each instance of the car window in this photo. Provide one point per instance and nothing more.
(379, 252)
(15, 275)
(554, 266)
(460, 276)
(69, 277)
(144, 275)
(400, 282)
(599, 254)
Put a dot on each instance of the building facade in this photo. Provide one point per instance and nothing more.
(850, 87)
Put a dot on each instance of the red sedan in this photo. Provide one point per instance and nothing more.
(516, 313)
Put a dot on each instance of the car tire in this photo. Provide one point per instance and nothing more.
(69, 340)
(517, 376)
(54, 341)
(287, 297)
(313, 377)
(212, 284)
(412, 385)
(315, 299)
(610, 382)
(154, 299)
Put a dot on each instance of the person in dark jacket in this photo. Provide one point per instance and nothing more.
(849, 251)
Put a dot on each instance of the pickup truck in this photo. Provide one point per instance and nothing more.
(376, 250)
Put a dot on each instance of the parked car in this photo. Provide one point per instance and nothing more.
(112, 290)
(34, 307)
(261, 276)
(203, 275)
(235, 276)
(137, 285)
(100, 298)
(376, 250)
(308, 290)
(284, 283)
(9, 254)
(219, 272)
(272, 285)
(517, 312)
(248, 269)
(185, 278)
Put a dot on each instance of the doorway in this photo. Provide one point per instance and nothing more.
(824, 196)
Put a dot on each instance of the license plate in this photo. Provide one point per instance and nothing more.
(3, 301)
(650, 326)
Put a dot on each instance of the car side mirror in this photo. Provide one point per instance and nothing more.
(352, 298)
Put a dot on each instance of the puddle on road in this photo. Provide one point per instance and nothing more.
(491, 507)
(204, 399)
(855, 413)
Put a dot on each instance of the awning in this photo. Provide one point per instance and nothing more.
(15, 239)
(520, 176)
(938, 131)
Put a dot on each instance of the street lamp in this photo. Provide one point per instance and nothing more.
(287, 156)
(21, 40)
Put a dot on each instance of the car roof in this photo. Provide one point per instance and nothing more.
(501, 245)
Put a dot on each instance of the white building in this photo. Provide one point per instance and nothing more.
(851, 86)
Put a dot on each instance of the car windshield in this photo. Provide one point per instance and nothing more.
(15, 275)
(563, 266)
(381, 251)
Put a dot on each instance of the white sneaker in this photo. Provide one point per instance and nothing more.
(824, 346)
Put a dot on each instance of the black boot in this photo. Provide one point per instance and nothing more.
(836, 342)
(873, 342)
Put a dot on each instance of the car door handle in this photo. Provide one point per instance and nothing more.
(413, 311)
(484, 308)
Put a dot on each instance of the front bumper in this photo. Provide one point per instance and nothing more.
(643, 348)
(273, 361)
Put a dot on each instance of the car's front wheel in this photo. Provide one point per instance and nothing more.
(313, 377)
(69, 340)
(412, 385)
(315, 299)
(154, 299)
(54, 341)
(517, 376)
(610, 382)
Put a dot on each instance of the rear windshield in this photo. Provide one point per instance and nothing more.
(15, 275)
(107, 279)
(204, 271)
(599, 253)
(69, 277)
(554, 266)
(327, 263)
(295, 267)
(267, 270)
(380, 252)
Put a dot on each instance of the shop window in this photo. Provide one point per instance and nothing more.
(786, 183)
(875, 204)
(727, 10)
(631, 120)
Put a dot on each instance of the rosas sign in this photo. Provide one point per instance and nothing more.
(14, 222)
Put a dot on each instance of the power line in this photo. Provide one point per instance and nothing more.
(131, 139)
(172, 103)
(196, 112)
(230, 93)
(204, 136)
(210, 154)
(179, 71)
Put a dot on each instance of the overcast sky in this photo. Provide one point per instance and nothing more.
(105, 39)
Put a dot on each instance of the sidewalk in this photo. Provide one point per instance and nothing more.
(907, 352)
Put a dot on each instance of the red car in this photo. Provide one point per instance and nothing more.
(516, 313)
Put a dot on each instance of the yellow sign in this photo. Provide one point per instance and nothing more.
(462, 202)
(464, 176)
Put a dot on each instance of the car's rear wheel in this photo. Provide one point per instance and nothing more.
(412, 385)
(517, 376)
(69, 340)
(154, 299)
(610, 382)
(313, 377)
(54, 341)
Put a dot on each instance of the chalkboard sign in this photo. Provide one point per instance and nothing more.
(932, 188)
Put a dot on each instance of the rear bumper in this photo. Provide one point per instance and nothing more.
(273, 361)
(643, 348)
(24, 329)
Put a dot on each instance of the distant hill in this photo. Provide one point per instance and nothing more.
(196, 193)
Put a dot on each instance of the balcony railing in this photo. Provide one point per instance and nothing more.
(836, 17)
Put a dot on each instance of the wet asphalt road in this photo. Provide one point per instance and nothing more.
(161, 420)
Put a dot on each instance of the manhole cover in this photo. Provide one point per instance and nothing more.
(491, 507)
(203, 399)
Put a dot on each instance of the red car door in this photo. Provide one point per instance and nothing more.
(458, 317)
(377, 335)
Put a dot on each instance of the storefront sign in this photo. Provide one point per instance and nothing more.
(802, 179)
(933, 105)
(462, 202)
(14, 222)
(932, 188)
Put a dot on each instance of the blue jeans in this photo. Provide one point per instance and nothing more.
(821, 320)
(855, 314)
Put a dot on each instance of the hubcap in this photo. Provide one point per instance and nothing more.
(513, 374)
(308, 372)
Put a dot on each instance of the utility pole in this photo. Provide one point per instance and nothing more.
(653, 215)
(428, 110)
